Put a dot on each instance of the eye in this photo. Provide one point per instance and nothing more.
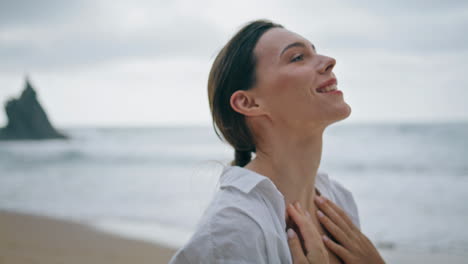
(297, 58)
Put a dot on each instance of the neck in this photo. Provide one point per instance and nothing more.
(292, 164)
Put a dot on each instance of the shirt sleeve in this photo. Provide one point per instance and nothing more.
(346, 201)
(232, 236)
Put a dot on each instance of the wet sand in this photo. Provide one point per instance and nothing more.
(35, 239)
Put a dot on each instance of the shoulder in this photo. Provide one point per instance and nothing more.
(228, 235)
(345, 199)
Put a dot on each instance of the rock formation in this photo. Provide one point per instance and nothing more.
(27, 119)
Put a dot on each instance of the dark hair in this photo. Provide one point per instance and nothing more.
(232, 70)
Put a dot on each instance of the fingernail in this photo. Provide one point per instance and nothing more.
(307, 214)
(319, 199)
(325, 238)
(298, 205)
(291, 233)
(320, 214)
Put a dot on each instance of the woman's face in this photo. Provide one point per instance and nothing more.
(289, 71)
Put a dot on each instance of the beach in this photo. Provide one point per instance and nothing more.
(26, 238)
(35, 239)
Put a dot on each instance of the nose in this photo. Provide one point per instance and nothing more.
(328, 64)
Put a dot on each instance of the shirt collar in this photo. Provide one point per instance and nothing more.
(242, 179)
(245, 180)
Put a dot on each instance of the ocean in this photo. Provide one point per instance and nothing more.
(410, 181)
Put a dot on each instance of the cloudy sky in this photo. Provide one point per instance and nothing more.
(113, 63)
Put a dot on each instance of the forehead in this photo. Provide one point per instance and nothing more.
(272, 42)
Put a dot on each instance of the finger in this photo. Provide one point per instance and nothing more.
(295, 215)
(295, 247)
(339, 250)
(298, 207)
(341, 213)
(334, 229)
(324, 205)
(306, 229)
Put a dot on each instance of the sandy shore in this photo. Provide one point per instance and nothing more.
(35, 239)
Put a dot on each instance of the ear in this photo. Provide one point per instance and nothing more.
(244, 103)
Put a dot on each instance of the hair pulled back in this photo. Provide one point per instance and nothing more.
(232, 70)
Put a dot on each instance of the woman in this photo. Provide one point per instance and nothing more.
(271, 93)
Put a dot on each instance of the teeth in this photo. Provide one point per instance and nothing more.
(327, 89)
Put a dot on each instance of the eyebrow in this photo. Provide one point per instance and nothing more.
(295, 44)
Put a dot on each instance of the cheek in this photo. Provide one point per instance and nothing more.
(290, 94)
(295, 87)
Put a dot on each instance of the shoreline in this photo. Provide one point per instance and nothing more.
(28, 238)
(31, 238)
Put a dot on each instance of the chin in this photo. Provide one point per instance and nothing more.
(344, 113)
(348, 112)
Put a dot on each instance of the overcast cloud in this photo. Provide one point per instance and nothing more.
(146, 62)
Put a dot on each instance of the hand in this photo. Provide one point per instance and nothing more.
(311, 250)
(354, 247)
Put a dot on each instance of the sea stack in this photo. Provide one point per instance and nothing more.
(27, 119)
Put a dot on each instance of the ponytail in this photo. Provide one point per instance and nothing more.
(242, 157)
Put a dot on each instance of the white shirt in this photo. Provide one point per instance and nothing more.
(245, 221)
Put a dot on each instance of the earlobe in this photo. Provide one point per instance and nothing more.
(243, 103)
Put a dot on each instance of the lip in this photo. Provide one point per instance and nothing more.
(327, 83)
(335, 92)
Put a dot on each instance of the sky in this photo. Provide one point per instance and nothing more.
(144, 63)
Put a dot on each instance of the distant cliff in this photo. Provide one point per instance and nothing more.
(27, 119)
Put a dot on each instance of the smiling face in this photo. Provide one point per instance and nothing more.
(289, 73)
